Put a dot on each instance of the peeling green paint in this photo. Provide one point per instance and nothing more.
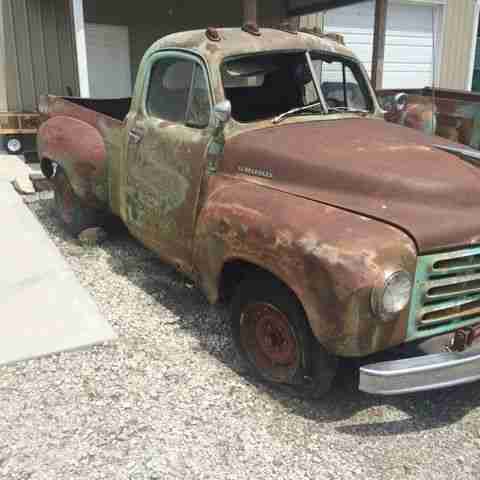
(426, 277)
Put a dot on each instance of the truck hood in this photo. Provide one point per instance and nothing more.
(370, 167)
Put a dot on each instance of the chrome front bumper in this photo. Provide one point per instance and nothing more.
(426, 372)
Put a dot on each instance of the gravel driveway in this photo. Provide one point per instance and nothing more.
(169, 399)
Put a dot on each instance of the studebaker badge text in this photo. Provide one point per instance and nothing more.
(255, 172)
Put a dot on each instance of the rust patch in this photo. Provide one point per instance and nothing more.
(84, 161)
(398, 176)
(331, 270)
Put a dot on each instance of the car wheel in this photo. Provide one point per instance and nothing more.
(273, 336)
(13, 145)
(75, 216)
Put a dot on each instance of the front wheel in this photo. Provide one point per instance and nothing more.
(272, 334)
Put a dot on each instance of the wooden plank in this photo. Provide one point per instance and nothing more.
(19, 114)
(18, 132)
(379, 38)
(14, 124)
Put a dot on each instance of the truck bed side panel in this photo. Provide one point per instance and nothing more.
(456, 115)
(88, 145)
(80, 150)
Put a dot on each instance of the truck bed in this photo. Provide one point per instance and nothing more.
(455, 116)
(116, 108)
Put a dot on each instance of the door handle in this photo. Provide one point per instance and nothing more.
(135, 136)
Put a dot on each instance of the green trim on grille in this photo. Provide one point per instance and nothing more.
(445, 271)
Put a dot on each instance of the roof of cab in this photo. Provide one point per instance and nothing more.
(234, 41)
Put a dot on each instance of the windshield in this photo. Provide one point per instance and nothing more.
(264, 86)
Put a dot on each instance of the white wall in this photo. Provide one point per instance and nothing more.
(414, 31)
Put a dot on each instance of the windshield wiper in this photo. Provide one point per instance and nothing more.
(294, 111)
(348, 110)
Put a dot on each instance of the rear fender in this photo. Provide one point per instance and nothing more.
(331, 259)
(80, 150)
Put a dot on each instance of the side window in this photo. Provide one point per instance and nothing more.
(168, 92)
(178, 92)
(340, 85)
(199, 109)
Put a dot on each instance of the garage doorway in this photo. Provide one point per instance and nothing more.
(108, 58)
(409, 50)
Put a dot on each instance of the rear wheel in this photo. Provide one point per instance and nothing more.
(273, 336)
(75, 216)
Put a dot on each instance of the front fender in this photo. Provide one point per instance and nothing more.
(329, 257)
(80, 149)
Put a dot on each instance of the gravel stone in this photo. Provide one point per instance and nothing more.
(23, 185)
(91, 237)
(170, 400)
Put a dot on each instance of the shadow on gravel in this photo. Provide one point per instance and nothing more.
(422, 411)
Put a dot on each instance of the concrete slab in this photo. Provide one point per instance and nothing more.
(43, 309)
(14, 169)
(13, 166)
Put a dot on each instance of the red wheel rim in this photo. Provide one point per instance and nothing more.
(269, 341)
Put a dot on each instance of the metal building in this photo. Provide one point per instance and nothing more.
(427, 41)
(93, 48)
(38, 51)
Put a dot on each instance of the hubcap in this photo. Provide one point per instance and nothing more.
(14, 145)
(269, 341)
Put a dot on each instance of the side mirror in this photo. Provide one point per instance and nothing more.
(223, 111)
(400, 101)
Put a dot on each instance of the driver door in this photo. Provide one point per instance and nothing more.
(166, 161)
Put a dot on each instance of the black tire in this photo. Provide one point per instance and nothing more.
(13, 145)
(74, 215)
(267, 319)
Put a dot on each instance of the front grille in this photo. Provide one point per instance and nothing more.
(446, 295)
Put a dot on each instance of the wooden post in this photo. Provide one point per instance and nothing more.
(379, 35)
(250, 12)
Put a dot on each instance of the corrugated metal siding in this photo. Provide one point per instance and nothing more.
(3, 70)
(40, 51)
(457, 43)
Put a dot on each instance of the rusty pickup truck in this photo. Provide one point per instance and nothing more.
(259, 163)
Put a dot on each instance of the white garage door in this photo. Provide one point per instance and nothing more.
(108, 58)
(409, 43)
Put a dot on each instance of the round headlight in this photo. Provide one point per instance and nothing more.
(393, 297)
